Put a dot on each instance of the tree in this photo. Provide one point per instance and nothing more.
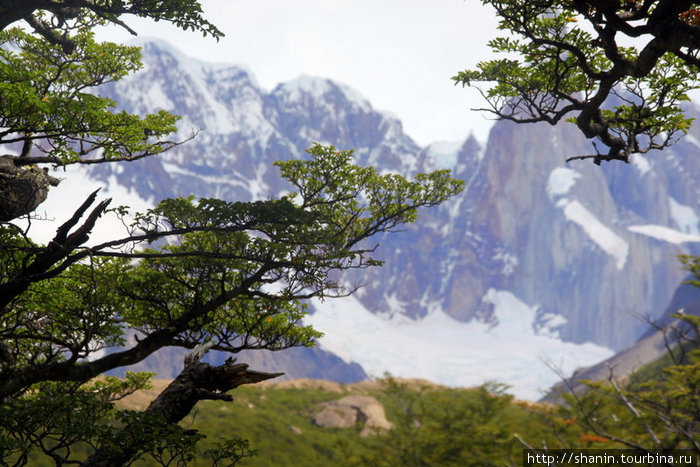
(618, 69)
(198, 274)
(47, 106)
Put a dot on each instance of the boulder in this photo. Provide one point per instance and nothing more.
(352, 411)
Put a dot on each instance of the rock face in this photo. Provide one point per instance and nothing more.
(591, 247)
(352, 411)
(651, 347)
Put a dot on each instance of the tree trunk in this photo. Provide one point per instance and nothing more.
(197, 381)
(22, 190)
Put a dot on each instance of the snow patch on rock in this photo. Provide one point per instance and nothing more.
(604, 237)
(641, 163)
(560, 181)
(684, 217)
(665, 234)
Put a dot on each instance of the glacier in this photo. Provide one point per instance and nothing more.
(450, 352)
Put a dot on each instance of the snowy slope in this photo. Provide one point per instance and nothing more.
(604, 237)
(441, 349)
(560, 182)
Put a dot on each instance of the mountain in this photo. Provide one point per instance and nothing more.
(590, 246)
(535, 259)
(241, 129)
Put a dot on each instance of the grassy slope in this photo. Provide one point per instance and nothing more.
(277, 420)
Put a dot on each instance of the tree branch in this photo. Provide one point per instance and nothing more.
(197, 381)
(59, 248)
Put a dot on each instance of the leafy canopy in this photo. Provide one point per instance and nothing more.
(656, 409)
(620, 70)
(232, 274)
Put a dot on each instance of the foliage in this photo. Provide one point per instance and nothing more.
(232, 274)
(657, 408)
(436, 425)
(618, 69)
(49, 106)
(51, 113)
(654, 414)
(195, 273)
(54, 20)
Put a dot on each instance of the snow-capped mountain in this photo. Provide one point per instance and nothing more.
(241, 129)
(536, 259)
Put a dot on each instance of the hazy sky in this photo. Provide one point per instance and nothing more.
(399, 54)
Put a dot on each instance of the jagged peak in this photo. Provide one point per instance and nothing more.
(318, 87)
(197, 67)
(472, 143)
